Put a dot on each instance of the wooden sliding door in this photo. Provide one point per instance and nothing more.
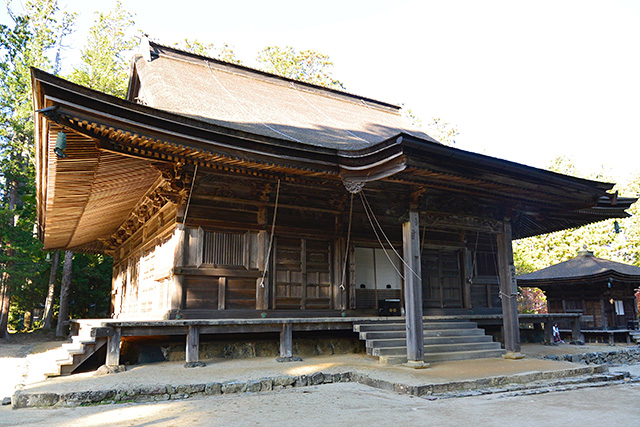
(302, 273)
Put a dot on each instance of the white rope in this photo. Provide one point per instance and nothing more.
(247, 111)
(378, 237)
(193, 180)
(346, 252)
(326, 116)
(387, 239)
(273, 229)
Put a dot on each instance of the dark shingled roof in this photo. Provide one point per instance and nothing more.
(584, 266)
(259, 103)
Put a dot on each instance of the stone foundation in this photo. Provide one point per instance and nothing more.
(156, 350)
(619, 357)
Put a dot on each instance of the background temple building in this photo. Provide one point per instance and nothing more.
(603, 291)
(234, 196)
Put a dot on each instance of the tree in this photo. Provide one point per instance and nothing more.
(224, 53)
(27, 43)
(47, 315)
(604, 238)
(436, 128)
(65, 290)
(105, 66)
(307, 65)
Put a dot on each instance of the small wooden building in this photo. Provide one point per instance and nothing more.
(602, 290)
(226, 192)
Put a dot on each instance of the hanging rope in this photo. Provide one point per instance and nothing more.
(193, 180)
(346, 252)
(273, 229)
(365, 202)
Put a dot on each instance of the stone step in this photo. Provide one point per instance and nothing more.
(400, 326)
(402, 342)
(438, 348)
(427, 333)
(464, 355)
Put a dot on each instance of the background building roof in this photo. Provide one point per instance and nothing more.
(584, 266)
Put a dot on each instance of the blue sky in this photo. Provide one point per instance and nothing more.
(522, 80)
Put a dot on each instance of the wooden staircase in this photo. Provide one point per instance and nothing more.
(444, 340)
(73, 354)
(635, 336)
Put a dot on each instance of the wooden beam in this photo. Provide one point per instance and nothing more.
(508, 292)
(193, 344)
(413, 289)
(113, 348)
(286, 341)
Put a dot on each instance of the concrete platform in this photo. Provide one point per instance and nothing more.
(171, 380)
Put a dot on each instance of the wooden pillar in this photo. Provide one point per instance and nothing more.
(413, 289)
(179, 260)
(339, 293)
(303, 267)
(508, 292)
(286, 341)
(262, 252)
(548, 331)
(576, 335)
(193, 344)
(113, 348)
(467, 266)
(222, 293)
(352, 276)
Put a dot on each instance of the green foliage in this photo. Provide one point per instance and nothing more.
(30, 42)
(224, 53)
(442, 131)
(436, 128)
(105, 66)
(538, 252)
(90, 286)
(306, 65)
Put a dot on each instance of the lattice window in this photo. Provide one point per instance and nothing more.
(224, 249)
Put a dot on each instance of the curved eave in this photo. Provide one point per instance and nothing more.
(583, 281)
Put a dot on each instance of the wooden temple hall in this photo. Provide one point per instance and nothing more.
(233, 200)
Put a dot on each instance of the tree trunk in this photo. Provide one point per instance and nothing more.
(4, 306)
(5, 292)
(47, 315)
(65, 290)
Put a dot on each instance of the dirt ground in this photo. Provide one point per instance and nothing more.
(353, 404)
(337, 404)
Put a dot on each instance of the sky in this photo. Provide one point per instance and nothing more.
(525, 81)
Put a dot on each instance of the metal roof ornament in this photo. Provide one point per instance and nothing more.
(353, 187)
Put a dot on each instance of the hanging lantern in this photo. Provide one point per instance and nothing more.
(61, 145)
